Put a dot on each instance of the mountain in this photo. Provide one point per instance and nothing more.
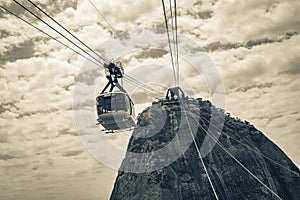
(244, 164)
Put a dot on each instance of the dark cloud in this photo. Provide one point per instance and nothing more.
(275, 117)
(258, 42)
(293, 67)
(260, 86)
(53, 7)
(72, 153)
(15, 8)
(22, 51)
(4, 33)
(205, 14)
(67, 131)
(7, 107)
(201, 14)
(61, 5)
(30, 114)
(88, 76)
(160, 27)
(2, 109)
(3, 137)
(151, 53)
(6, 157)
(198, 3)
(122, 35)
(219, 46)
(290, 34)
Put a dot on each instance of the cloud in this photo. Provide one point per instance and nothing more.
(128, 10)
(52, 7)
(22, 51)
(274, 114)
(72, 153)
(151, 53)
(244, 68)
(217, 46)
(6, 157)
(237, 21)
(292, 67)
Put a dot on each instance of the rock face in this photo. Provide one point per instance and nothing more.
(185, 178)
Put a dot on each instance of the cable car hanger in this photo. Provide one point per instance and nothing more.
(113, 73)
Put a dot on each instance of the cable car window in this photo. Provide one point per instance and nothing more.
(107, 104)
(119, 102)
(100, 105)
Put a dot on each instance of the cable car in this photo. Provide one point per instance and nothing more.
(115, 110)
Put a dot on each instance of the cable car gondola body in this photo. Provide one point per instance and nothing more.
(115, 110)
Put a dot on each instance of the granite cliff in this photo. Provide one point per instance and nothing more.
(185, 177)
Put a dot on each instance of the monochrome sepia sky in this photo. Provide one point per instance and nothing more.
(254, 45)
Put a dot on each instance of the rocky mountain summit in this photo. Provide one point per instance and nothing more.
(244, 164)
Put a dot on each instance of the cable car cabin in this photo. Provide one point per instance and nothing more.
(115, 111)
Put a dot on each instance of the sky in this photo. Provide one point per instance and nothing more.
(254, 46)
